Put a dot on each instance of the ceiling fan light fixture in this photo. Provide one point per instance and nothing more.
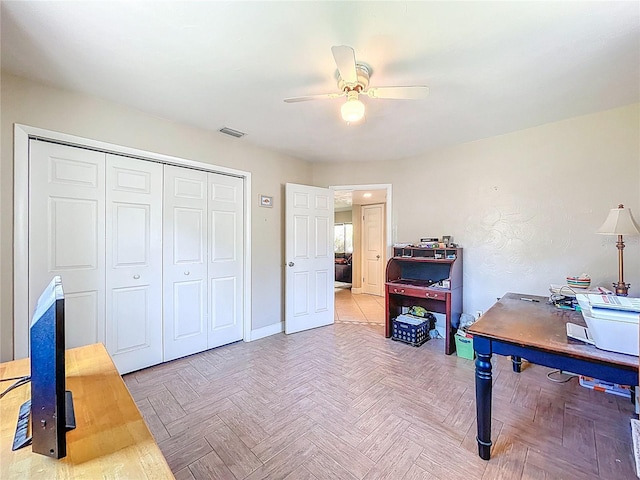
(353, 109)
(353, 80)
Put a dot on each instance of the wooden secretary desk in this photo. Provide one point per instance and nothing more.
(411, 278)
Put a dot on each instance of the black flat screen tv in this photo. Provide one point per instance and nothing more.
(50, 407)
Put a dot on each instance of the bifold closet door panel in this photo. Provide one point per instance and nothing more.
(184, 262)
(151, 256)
(133, 262)
(67, 234)
(226, 259)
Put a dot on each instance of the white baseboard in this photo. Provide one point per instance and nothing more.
(266, 331)
(356, 290)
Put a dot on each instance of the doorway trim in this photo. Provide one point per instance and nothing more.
(388, 212)
(21, 136)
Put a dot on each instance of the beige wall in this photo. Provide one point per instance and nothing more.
(525, 206)
(49, 108)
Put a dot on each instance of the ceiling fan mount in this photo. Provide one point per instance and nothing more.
(363, 73)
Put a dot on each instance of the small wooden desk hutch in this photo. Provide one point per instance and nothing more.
(411, 278)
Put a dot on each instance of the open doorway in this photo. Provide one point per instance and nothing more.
(362, 246)
(343, 248)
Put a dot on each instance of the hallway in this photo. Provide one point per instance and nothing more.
(358, 308)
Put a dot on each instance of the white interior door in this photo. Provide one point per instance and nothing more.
(185, 262)
(67, 234)
(226, 259)
(133, 262)
(373, 249)
(309, 296)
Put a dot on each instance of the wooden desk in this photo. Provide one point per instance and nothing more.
(537, 332)
(409, 278)
(111, 439)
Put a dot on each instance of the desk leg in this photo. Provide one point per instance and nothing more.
(387, 314)
(517, 363)
(483, 395)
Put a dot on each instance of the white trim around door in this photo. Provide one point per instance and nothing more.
(22, 135)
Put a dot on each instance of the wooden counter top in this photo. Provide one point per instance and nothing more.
(111, 439)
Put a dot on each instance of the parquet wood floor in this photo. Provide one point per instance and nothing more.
(343, 402)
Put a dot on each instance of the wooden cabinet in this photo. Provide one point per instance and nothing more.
(414, 277)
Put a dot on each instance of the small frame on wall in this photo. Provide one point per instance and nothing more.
(266, 201)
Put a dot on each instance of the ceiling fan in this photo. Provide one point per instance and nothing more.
(353, 81)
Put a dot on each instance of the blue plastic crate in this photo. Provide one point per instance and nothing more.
(411, 330)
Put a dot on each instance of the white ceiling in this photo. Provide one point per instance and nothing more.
(492, 67)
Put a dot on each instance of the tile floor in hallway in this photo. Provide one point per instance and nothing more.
(358, 309)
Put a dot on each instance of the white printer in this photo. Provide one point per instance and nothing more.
(611, 329)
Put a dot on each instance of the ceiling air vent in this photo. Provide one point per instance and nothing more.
(232, 132)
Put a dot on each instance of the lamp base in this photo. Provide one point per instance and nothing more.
(621, 288)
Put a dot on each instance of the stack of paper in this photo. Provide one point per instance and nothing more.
(635, 435)
(567, 291)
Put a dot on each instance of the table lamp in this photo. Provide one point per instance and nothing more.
(620, 222)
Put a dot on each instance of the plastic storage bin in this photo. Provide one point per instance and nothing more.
(608, 387)
(411, 330)
(464, 346)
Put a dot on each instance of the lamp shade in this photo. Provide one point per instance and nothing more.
(352, 110)
(620, 221)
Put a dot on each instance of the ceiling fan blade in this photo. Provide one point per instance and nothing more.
(321, 96)
(345, 59)
(415, 92)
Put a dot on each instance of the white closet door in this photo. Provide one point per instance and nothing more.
(134, 263)
(185, 262)
(66, 234)
(226, 256)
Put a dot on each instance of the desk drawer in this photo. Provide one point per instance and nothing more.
(436, 295)
(416, 292)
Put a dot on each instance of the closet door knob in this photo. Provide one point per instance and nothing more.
(136, 277)
(187, 273)
(291, 264)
